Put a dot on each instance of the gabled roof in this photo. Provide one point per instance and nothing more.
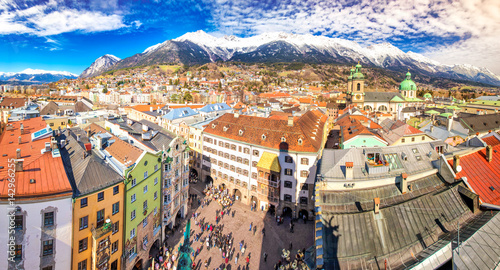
(214, 107)
(86, 171)
(179, 113)
(50, 108)
(483, 177)
(481, 123)
(122, 151)
(46, 171)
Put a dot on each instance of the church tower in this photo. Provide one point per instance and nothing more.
(357, 86)
(408, 88)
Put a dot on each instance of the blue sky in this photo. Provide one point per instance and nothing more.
(69, 35)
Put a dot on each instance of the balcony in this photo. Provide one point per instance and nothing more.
(265, 181)
(102, 230)
(373, 168)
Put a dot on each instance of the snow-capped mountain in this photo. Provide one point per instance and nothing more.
(100, 65)
(200, 48)
(36, 76)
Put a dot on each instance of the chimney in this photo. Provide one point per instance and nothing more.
(432, 128)
(22, 129)
(53, 143)
(404, 183)
(349, 171)
(63, 143)
(89, 133)
(150, 109)
(19, 165)
(236, 115)
(376, 207)
(290, 121)
(489, 153)
(456, 163)
(19, 139)
(18, 153)
(449, 122)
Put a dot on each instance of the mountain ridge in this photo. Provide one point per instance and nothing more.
(201, 48)
(36, 76)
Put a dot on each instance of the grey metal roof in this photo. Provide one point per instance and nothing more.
(332, 163)
(381, 96)
(87, 173)
(159, 138)
(481, 123)
(356, 240)
(481, 250)
(352, 201)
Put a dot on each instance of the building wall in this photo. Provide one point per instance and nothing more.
(57, 123)
(413, 139)
(34, 232)
(175, 182)
(91, 211)
(247, 183)
(137, 172)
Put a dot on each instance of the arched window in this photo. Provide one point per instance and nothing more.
(359, 86)
(382, 108)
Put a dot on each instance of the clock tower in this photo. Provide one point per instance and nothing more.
(356, 86)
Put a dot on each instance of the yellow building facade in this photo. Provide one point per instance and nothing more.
(97, 229)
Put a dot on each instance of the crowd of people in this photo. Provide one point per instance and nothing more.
(208, 233)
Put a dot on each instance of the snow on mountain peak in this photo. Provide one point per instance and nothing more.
(40, 71)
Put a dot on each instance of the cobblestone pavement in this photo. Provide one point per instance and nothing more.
(276, 237)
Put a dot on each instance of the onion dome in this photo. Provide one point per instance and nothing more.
(408, 84)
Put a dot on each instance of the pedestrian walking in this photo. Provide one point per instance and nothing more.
(250, 229)
(247, 260)
(263, 231)
(265, 257)
(290, 247)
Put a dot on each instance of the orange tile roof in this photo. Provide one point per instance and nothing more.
(274, 95)
(121, 150)
(491, 141)
(146, 108)
(481, 174)
(309, 128)
(352, 127)
(192, 106)
(48, 172)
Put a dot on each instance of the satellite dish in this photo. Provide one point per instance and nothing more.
(459, 168)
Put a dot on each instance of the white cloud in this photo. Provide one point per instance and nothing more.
(52, 19)
(473, 24)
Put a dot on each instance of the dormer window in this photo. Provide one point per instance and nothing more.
(300, 141)
(213, 126)
(240, 132)
(225, 128)
(263, 136)
(283, 139)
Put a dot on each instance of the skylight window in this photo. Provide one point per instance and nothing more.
(414, 150)
(394, 162)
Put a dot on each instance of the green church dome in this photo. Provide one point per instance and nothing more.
(427, 95)
(358, 75)
(408, 84)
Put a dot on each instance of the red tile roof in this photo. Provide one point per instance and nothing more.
(48, 172)
(482, 175)
(308, 128)
(491, 140)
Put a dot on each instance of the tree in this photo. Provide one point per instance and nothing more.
(188, 97)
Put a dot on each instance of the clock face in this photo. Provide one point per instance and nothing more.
(358, 96)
